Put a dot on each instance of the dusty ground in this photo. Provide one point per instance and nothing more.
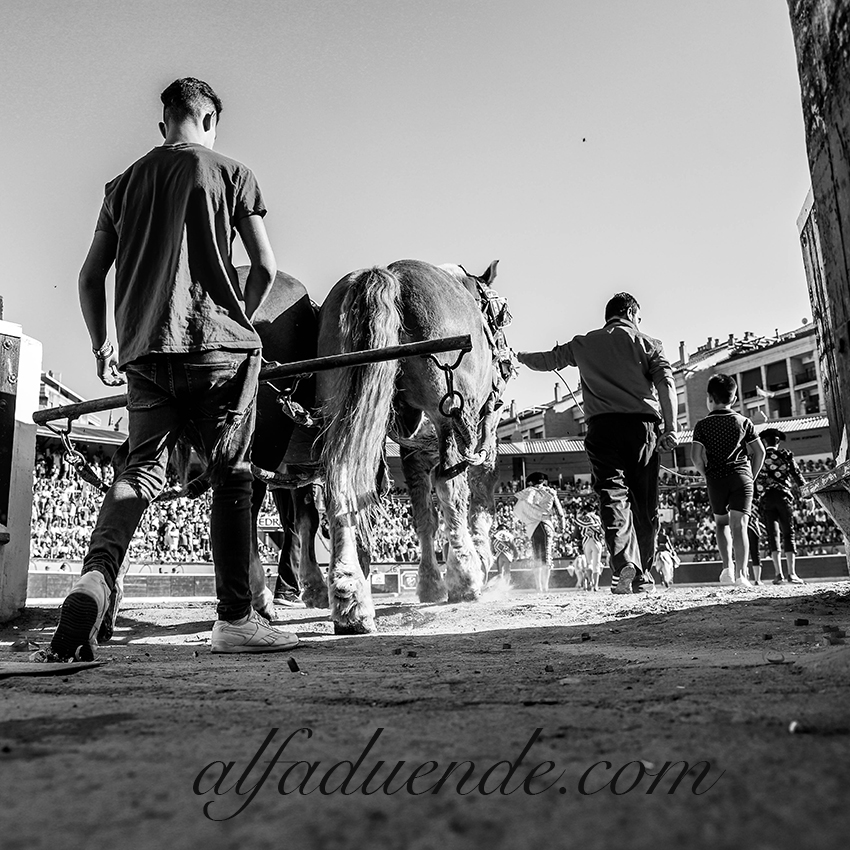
(109, 757)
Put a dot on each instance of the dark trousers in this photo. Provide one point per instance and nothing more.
(290, 544)
(168, 394)
(778, 520)
(624, 462)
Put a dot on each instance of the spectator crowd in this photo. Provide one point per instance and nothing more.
(65, 509)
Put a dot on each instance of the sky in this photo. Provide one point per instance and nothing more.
(591, 146)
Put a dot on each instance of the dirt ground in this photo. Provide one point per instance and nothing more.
(115, 756)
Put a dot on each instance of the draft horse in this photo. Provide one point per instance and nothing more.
(287, 324)
(446, 430)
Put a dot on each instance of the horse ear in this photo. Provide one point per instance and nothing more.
(490, 274)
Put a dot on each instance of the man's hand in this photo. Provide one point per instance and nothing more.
(107, 370)
(669, 440)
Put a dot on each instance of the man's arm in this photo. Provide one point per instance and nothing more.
(661, 375)
(252, 230)
(546, 361)
(559, 510)
(668, 401)
(92, 292)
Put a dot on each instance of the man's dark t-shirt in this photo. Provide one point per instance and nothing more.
(174, 212)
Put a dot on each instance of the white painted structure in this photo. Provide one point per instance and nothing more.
(20, 376)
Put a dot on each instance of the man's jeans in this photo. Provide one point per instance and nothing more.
(169, 394)
(625, 463)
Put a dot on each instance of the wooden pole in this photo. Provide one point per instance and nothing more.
(821, 30)
(276, 371)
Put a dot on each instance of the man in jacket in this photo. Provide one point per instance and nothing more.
(630, 409)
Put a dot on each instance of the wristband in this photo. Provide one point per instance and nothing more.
(104, 352)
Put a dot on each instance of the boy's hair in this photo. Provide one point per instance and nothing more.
(721, 388)
(537, 478)
(620, 304)
(189, 97)
(771, 436)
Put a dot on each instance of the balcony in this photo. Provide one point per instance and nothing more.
(806, 377)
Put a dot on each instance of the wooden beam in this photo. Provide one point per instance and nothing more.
(275, 371)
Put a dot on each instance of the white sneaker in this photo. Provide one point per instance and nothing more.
(253, 634)
(743, 581)
(726, 577)
(80, 618)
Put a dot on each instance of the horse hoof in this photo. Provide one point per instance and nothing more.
(468, 595)
(361, 627)
(431, 593)
(316, 598)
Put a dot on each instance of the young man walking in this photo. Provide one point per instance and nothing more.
(190, 355)
(628, 390)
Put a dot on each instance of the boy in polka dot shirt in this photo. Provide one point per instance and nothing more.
(728, 453)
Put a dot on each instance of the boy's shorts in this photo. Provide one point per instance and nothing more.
(732, 493)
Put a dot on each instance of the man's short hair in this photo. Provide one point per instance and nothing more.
(721, 388)
(772, 436)
(189, 97)
(537, 478)
(620, 304)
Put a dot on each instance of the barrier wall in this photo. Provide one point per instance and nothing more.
(20, 374)
(401, 578)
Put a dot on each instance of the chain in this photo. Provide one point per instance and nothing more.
(453, 402)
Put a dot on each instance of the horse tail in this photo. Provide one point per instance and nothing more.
(358, 408)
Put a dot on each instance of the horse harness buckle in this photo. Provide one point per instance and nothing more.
(453, 402)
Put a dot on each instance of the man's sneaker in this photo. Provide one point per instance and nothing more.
(644, 587)
(289, 599)
(624, 581)
(80, 618)
(253, 634)
(778, 580)
(726, 577)
(743, 581)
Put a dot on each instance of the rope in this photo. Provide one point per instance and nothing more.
(572, 394)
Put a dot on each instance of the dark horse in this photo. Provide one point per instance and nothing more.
(408, 301)
(287, 325)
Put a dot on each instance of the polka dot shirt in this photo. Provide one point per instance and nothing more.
(724, 434)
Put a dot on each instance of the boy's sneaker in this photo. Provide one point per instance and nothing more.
(80, 618)
(289, 599)
(743, 581)
(624, 581)
(726, 577)
(253, 634)
(778, 580)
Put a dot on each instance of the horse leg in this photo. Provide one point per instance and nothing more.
(262, 599)
(482, 509)
(417, 466)
(463, 570)
(314, 591)
(350, 596)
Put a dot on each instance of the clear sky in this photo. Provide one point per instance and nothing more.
(591, 146)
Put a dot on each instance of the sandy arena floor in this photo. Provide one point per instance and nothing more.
(115, 756)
